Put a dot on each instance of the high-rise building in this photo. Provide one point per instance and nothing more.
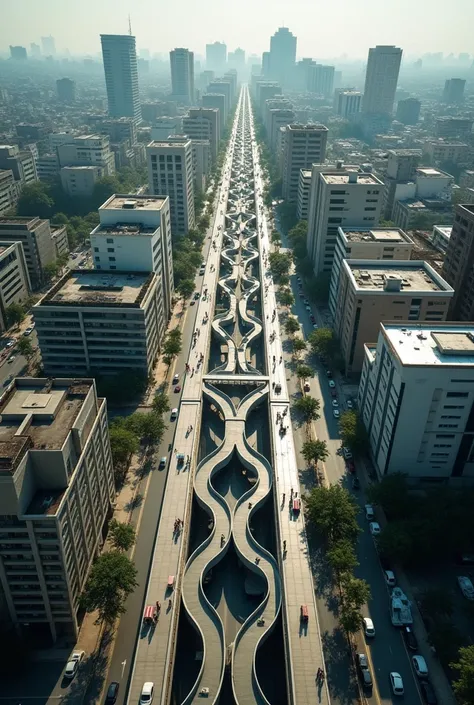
(21, 162)
(321, 79)
(14, 280)
(415, 398)
(35, 50)
(282, 55)
(224, 87)
(182, 75)
(9, 190)
(170, 172)
(121, 75)
(66, 89)
(408, 111)
(451, 126)
(18, 53)
(87, 150)
(37, 241)
(401, 168)
(49, 46)
(204, 124)
(381, 79)
(348, 103)
(216, 56)
(304, 189)
(134, 234)
(458, 268)
(371, 292)
(454, 90)
(218, 101)
(236, 60)
(58, 490)
(341, 196)
(304, 145)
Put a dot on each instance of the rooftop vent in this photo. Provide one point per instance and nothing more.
(352, 177)
(392, 284)
(129, 205)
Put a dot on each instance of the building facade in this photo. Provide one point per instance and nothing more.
(182, 75)
(216, 57)
(37, 241)
(416, 397)
(408, 111)
(304, 189)
(58, 490)
(381, 79)
(282, 56)
(304, 145)
(88, 151)
(119, 55)
(204, 124)
(458, 268)
(21, 163)
(348, 103)
(15, 284)
(9, 190)
(66, 90)
(217, 101)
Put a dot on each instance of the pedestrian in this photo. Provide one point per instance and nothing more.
(283, 497)
(284, 545)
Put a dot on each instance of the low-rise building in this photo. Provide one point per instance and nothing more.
(9, 191)
(47, 167)
(440, 237)
(80, 180)
(38, 244)
(21, 163)
(371, 293)
(304, 189)
(201, 163)
(14, 279)
(57, 494)
(366, 244)
(438, 151)
(450, 126)
(61, 243)
(415, 398)
(88, 150)
(104, 322)
(204, 124)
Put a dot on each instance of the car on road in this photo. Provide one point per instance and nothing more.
(162, 463)
(11, 359)
(177, 389)
(174, 414)
(347, 453)
(465, 586)
(335, 402)
(333, 392)
(306, 303)
(396, 683)
(146, 696)
(10, 344)
(410, 638)
(201, 271)
(349, 404)
(112, 693)
(315, 326)
(369, 629)
(28, 331)
(369, 512)
(429, 696)
(73, 664)
(419, 666)
(301, 294)
(364, 670)
(328, 373)
(390, 579)
(355, 483)
(312, 318)
(308, 308)
(332, 384)
(336, 413)
(176, 378)
(374, 528)
(197, 295)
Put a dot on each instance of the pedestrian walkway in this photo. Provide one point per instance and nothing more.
(303, 637)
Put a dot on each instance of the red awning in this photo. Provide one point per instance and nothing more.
(149, 612)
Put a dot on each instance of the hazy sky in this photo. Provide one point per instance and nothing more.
(323, 27)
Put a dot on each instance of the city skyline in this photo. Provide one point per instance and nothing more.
(82, 37)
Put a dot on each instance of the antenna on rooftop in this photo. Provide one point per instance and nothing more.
(129, 26)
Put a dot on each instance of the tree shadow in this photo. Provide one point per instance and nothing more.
(134, 503)
(341, 678)
(145, 468)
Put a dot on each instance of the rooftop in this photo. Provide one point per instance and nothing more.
(400, 276)
(431, 172)
(445, 230)
(177, 142)
(8, 221)
(379, 235)
(307, 128)
(352, 177)
(99, 288)
(133, 202)
(431, 344)
(89, 167)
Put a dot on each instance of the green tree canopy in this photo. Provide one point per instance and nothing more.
(111, 580)
(161, 403)
(308, 407)
(280, 264)
(391, 493)
(291, 325)
(314, 451)
(298, 345)
(285, 297)
(25, 347)
(14, 314)
(353, 432)
(342, 557)
(172, 345)
(121, 535)
(35, 200)
(464, 685)
(333, 511)
(318, 287)
(123, 443)
(149, 427)
(304, 372)
(323, 342)
(186, 288)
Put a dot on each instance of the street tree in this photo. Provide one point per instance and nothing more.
(308, 407)
(161, 403)
(350, 619)
(342, 557)
(185, 288)
(298, 345)
(396, 543)
(333, 511)
(111, 580)
(123, 443)
(14, 315)
(149, 427)
(304, 372)
(172, 346)
(355, 592)
(121, 535)
(391, 493)
(35, 198)
(318, 287)
(280, 264)
(464, 685)
(51, 270)
(437, 603)
(25, 347)
(353, 432)
(447, 641)
(323, 342)
(291, 326)
(285, 297)
(315, 451)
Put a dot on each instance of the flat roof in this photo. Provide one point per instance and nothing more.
(445, 230)
(432, 172)
(310, 127)
(177, 144)
(125, 229)
(133, 202)
(395, 277)
(86, 287)
(89, 167)
(343, 178)
(380, 235)
(431, 344)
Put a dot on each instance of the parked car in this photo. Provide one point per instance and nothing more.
(146, 696)
(10, 344)
(176, 378)
(364, 671)
(369, 512)
(346, 453)
(112, 693)
(73, 664)
(162, 462)
(410, 638)
(390, 579)
(174, 414)
(429, 695)
(332, 384)
(335, 403)
(419, 666)
(196, 295)
(177, 389)
(396, 683)
(328, 373)
(349, 404)
(374, 528)
(465, 585)
(28, 331)
(11, 359)
(369, 629)
(336, 413)
(355, 483)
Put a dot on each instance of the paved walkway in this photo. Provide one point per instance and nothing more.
(156, 646)
(305, 654)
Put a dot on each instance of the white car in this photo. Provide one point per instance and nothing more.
(332, 384)
(419, 666)
(163, 462)
(146, 696)
(369, 512)
(369, 629)
(73, 664)
(176, 378)
(397, 683)
(390, 579)
(174, 414)
(374, 527)
(335, 403)
(336, 413)
(349, 404)
(466, 587)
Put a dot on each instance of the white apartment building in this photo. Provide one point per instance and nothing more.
(170, 172)
(304, 189)
(134, 234)
(165, 127)
(37, 241)
(21, 163)
(105, 322)
(381, 79)
(216, 100)
(416, 396)
(366, 244)
(278, 119)
(56, 139)
(121, 75)
(446, 151)
(341, 196)
(9, 190)
(304, 145)
(182, 75)
(80, 180)
(15, 284)
(57, 493)
(88, 150)
(348, 103)
(203, 124)
(440, 237)
(201, 164)
(47, 167)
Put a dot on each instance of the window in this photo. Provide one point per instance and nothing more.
(112, 266)
(458, 394)
(450, 417)
(111, 259)
(445, 435)
(110, 249)
(110, 241)
(96, 249)
(369, 209)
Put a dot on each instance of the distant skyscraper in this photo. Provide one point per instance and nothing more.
(18, 53)
(182, 75)
(49, 46)
(216, 56)
(66, 89)
(408, 111)
(121, 75)
(282, 55)
(381, 79)
(35, 50)
(454, 90)
(321, 79)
